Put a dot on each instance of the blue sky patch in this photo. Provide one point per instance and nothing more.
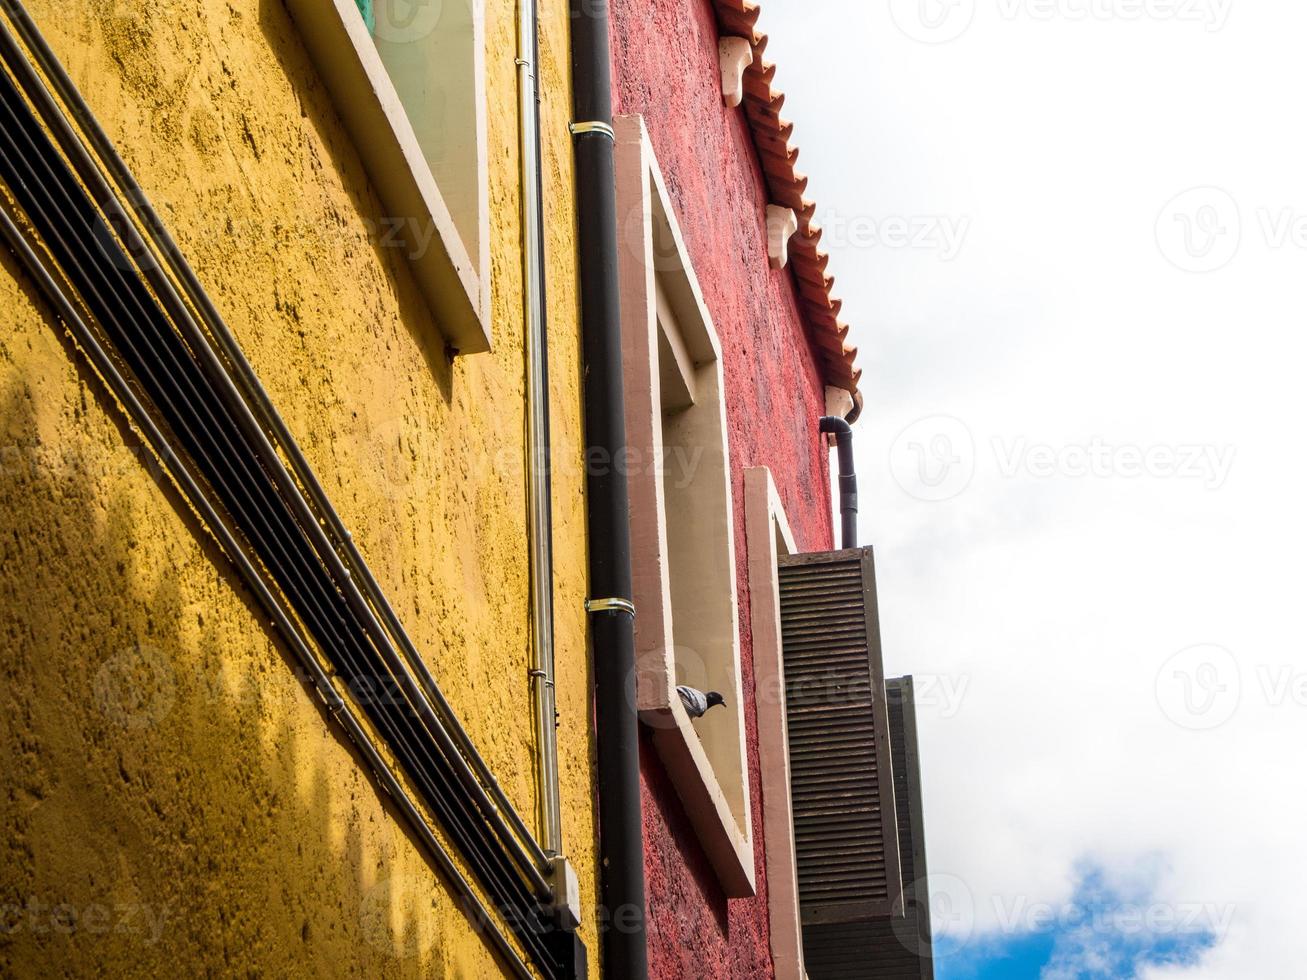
(1109, 930)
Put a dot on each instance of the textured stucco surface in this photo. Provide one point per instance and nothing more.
(168, 784)
(666, 69)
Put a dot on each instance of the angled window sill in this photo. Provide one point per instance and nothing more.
(453, 279)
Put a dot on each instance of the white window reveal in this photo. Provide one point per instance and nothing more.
(408, 79)
(768, 540)
(682, 526)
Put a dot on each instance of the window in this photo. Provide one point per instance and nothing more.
(768, 540)
(408, 79)
(682, 528)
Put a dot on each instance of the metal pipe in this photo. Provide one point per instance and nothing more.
(361, 574)
(539, 511)
(843, 433)
(119, 301)
(143, 421)
(612, 627)
(144, 257)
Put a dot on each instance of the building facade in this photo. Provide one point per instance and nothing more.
(393, 421)
(178, 796)
(690, 75)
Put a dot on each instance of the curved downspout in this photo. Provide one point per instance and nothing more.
(612, 614)
(843, 433)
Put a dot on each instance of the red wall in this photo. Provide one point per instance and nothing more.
(666, 69)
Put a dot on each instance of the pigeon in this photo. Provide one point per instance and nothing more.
(696, 702)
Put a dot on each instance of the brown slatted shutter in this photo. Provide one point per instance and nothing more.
(845, 822)
(898, 948)
(913, 930)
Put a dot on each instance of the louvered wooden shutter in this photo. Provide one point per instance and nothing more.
(900, 947)
(845, 822)
(913, 945)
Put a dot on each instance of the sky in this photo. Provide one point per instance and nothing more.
(1071, 237)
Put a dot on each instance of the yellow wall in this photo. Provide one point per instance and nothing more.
(167, 781)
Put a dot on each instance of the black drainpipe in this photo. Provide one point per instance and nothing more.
(843, 434)
(612, 619)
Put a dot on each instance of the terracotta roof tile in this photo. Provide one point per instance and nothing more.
(771, 136)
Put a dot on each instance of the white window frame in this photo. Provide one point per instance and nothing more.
(706, 760)
(454, 282)
(767, 537)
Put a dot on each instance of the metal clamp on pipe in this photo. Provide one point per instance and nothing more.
(602, 128)
(610, 605)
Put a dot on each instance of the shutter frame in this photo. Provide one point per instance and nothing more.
(831, 632)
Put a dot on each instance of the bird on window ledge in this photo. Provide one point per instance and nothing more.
(697, 703)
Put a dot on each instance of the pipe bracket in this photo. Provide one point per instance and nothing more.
(581, 128)
(610, 605)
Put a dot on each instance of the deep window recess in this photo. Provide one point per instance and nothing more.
(682, 523)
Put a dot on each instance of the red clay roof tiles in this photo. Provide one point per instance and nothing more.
(771, 137)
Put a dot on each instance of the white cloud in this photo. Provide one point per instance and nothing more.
(1061, 320)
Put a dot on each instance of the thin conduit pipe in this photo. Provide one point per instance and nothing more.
(39, 187)
(540, 516)
(166, 245)
(140, 418)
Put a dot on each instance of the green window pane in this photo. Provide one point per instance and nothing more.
(369, 17)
